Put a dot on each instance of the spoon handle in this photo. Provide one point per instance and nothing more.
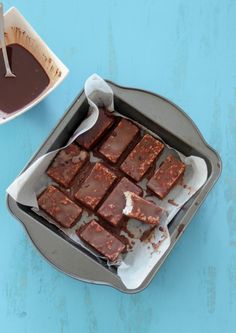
(3, 44)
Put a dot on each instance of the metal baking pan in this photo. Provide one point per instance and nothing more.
(162, 117)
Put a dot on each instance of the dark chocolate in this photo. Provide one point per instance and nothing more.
(67, 163)
(57, 205)
(101, 240)
(95, 186)
(119, 140)
(89, 139)
(141, 209)
(112, 208)
(29, 82)
(166, 176)
(141, 158)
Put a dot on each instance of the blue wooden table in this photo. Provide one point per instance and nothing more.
(184, 50)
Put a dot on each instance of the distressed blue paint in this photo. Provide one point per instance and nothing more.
(186, 51)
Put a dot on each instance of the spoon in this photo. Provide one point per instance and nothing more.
(2, 39)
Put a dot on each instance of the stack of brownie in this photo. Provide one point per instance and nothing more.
(108, 188)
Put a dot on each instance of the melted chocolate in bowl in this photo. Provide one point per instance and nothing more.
(30, 81)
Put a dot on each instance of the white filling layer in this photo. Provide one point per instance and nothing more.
(129, 203)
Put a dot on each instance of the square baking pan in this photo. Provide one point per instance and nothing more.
(163, 118)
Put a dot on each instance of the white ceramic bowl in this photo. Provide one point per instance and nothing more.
(18, 30)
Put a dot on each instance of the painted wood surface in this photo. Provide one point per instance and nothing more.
(186, 51)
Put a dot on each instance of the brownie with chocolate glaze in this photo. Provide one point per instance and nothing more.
(89, 139)
(119, 140)
(59, 207)
(67, 163)
(166, 176)
(142, 157)
(141, 209)
(112, 208)
(95, 186)
(101, 240)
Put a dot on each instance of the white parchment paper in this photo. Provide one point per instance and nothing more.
(138, 263)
